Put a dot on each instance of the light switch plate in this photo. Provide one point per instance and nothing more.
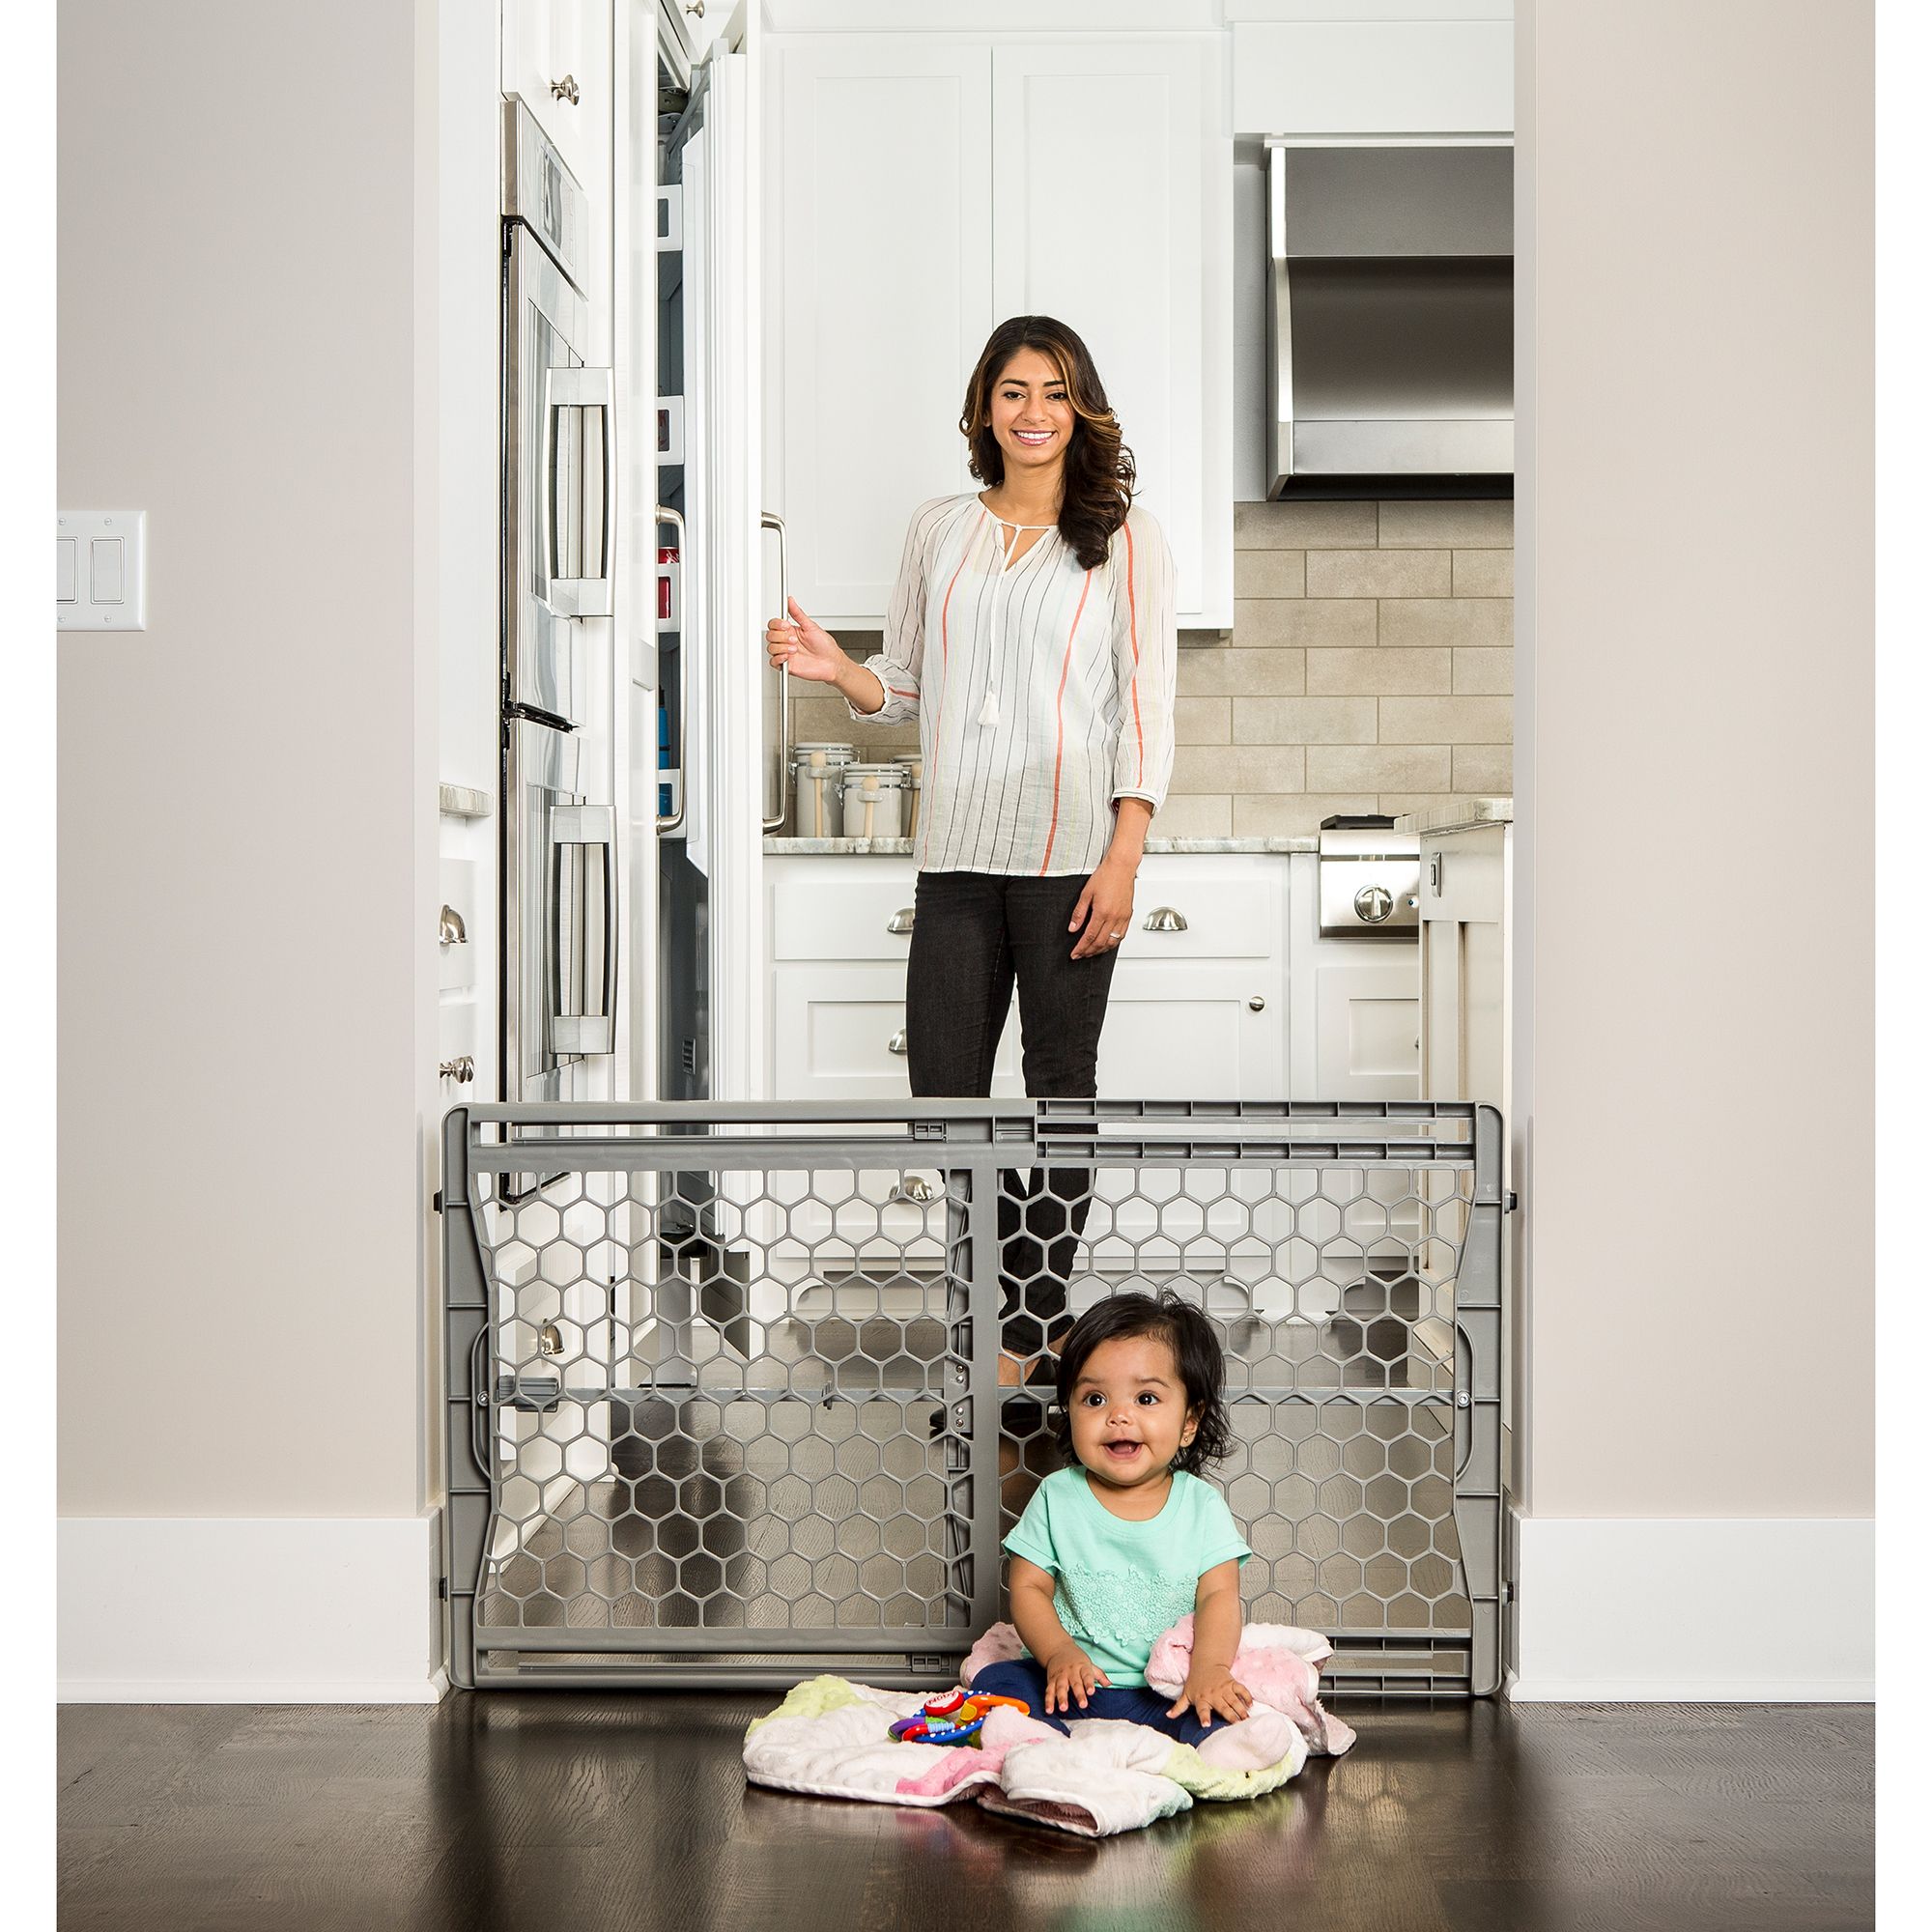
(102, 570)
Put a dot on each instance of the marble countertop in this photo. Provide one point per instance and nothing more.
(902, 847)
(1465, 814)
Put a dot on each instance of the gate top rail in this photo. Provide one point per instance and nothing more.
(1459, 1133)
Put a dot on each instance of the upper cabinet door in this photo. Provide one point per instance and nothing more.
(1112, 211)
(878, 203)
(556, 60)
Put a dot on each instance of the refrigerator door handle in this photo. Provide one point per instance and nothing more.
(583, 1016)
(771, 522)
(578, 407)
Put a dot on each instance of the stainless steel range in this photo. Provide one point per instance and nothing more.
(1371, 878)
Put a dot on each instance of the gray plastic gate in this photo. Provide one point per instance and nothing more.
(724, 1402)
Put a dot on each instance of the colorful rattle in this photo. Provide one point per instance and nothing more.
(952, 1719)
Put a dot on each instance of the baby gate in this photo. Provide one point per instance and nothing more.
(724, 1382)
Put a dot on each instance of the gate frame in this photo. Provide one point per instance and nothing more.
(971, 1140)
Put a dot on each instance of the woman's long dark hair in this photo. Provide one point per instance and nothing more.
(1097, 480)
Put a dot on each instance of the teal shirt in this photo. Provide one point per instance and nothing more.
(1117, 1584)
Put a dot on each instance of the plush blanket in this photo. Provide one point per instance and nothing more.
(829, 1738)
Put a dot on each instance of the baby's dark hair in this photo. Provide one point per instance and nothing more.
(1197, 1353)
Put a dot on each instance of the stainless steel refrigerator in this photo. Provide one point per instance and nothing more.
(560, 882)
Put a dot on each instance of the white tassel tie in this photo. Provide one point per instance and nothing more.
(990, 712)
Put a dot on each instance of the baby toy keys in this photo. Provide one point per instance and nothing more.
(952, 1719)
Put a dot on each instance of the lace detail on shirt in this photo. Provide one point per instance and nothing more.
(1124, 1611)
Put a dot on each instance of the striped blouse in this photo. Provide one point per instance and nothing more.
(1043, 692)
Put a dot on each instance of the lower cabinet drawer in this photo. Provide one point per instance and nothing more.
(838, 1034)
(830, 916)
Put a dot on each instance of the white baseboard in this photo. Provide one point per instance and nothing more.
(249, 1610)
(1694, 1610)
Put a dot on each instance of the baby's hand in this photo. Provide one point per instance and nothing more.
(1071, 1675)
(1213, 1691)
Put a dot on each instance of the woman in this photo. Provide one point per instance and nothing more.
(1030, 632)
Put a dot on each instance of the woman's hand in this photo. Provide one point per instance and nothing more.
(1072, 1676)
(1213, 1690)
(803, 649)
(1106, 908)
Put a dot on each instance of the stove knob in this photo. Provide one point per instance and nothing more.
(1374, 904)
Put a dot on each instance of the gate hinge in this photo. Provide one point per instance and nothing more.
(1509, 1591)
(928, 1130)
(920, 1660)
(436, 1201)
(442, 1588)
(1509, 1200)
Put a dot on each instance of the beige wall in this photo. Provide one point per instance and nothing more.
(239, 979)
(1369, 669)
(1695, 518)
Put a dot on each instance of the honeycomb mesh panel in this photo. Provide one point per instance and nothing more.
(740, 1394)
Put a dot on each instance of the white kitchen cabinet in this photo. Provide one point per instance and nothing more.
(921, 188)
(556, 60)
(1198, 1008)
(879, 235)
(1354, 1016)
(1375, 78)
(838, 1034)
(1194, 1032)
(1365, 1044)
(1465, 969)
(1104, 151)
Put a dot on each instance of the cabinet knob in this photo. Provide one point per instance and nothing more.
(901, 922)
(1163, 919)
(1257, 1004)
(462, 1070)
(449, 929)
(898, 1042)
(564, 89)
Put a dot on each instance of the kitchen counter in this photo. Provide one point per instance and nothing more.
(902, 847)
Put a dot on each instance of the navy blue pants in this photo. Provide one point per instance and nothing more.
(1025, 1678)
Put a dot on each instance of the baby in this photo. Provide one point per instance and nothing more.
(1117, 1549)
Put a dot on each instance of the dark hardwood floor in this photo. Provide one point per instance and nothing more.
(574, 1813)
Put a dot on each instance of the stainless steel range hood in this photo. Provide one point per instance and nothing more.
(1391, 321)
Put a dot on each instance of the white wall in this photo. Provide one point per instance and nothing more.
(1695, 1047)
(246, 816)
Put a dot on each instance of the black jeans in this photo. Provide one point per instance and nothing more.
(973, 934)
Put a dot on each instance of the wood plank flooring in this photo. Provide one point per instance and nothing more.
(577, 1813)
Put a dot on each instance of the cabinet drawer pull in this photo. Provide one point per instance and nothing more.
(1163, 919)
(901, 922)
(898, 1042)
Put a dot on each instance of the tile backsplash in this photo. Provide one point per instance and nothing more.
(1369, 670)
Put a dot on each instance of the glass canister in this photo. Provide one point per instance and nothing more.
(915, 767)
(876, 797)
(818, 796)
